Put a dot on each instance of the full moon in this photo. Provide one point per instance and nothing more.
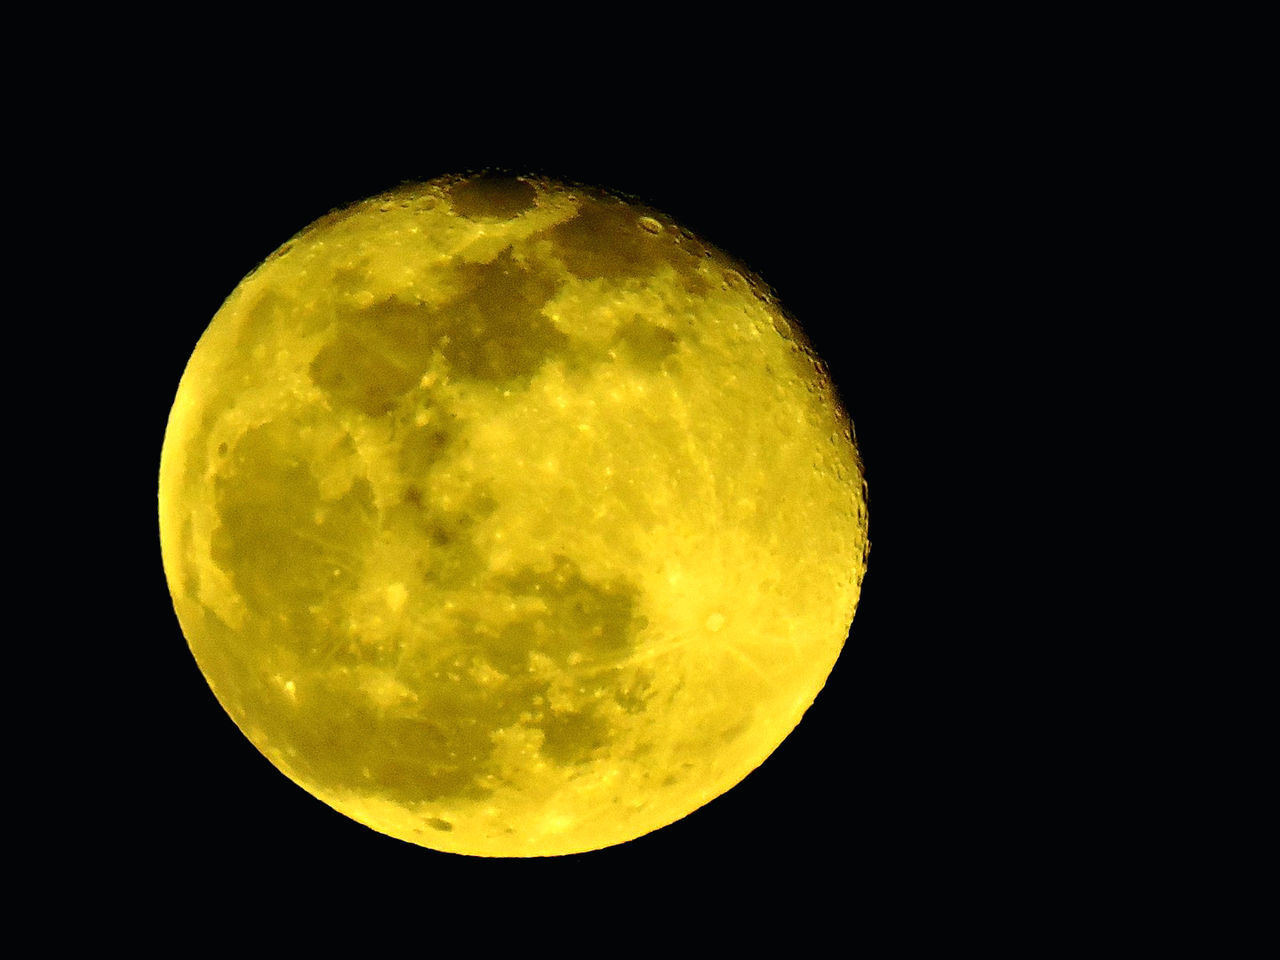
(509, 518)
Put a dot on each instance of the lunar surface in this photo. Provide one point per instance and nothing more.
(508, 518)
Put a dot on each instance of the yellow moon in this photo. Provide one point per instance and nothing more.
(508, 518)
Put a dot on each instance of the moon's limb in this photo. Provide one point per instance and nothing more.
(508, 518)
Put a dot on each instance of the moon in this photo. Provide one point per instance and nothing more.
(509, 518)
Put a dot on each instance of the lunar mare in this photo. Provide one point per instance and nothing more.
(509, 518)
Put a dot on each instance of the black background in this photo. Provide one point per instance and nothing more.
(847, 236)
(931, 199)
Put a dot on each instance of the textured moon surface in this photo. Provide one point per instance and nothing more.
(509, 518)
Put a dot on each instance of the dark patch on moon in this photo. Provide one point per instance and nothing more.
(647, 344)
(411, 756)
(268, 310)
(594, 620)
(603, 241)
(571, 737)
(491, 197)
(497, 331)
(277, 540)
(356, 374)
(493, 331)
(423, 447)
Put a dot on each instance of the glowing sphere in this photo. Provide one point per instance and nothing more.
(508, 518)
